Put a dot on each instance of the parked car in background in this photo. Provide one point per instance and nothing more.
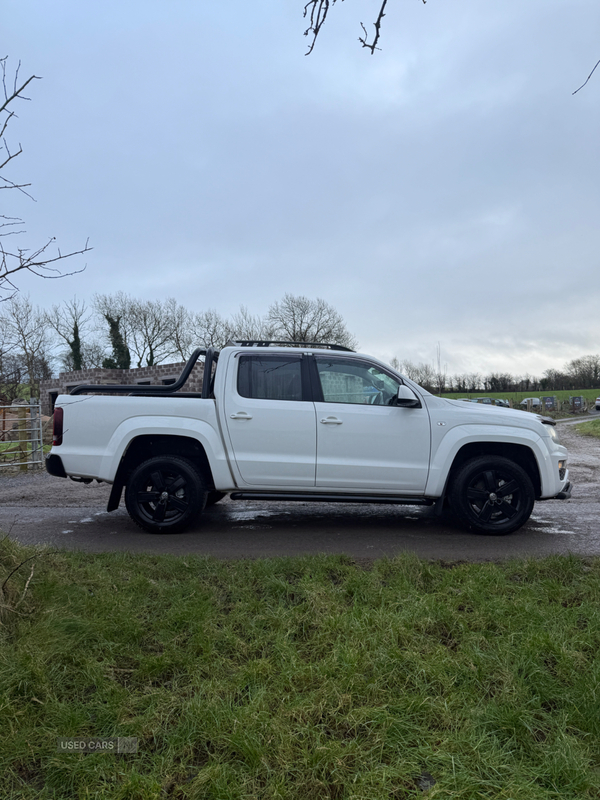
(535, 402)
(489, 401)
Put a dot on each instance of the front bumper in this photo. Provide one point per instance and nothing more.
(565, 494)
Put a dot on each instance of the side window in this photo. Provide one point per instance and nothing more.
(270, 377)
(349, 381)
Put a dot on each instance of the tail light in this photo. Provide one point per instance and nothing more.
(57, 427)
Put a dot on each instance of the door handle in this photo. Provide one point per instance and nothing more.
(241, 415)
(331, 421)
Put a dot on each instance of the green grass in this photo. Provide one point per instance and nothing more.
(591, 428)
(11, 452)
(302, 678)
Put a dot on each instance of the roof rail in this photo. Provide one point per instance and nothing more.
(276, 343)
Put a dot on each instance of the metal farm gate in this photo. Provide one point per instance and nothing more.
(21, 438)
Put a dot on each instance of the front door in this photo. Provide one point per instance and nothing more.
(271, 426)
(364, 442)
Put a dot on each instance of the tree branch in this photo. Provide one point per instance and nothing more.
(318, 14)
(13, 261)
(588, 77)
(363, 39)
(16, 92)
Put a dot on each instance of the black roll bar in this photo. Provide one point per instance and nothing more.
(211, 356)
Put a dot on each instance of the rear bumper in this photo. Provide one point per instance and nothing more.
(54, 466)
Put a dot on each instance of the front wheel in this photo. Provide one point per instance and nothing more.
(165, 494)
(492, 495)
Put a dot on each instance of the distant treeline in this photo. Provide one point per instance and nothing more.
(117, 330)
(580, 373)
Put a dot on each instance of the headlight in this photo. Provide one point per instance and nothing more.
(553, 432)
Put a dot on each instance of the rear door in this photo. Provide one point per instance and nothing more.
(270, 419)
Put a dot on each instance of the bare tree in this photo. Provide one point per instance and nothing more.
(210, 329)
(245, 325)
(584, 372)
(41, 260)
(112, 311)
(72, 323)
(11, 377)
(181, 331)
(149, 325)
(441, 373)
(420, 373)
(25, 338)
(301, 319)
(152, 330)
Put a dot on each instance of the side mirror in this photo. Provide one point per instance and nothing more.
(407, 398)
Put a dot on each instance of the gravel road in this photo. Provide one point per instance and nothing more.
(37, 508)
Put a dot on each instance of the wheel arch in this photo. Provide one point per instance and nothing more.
(519, 453)
(146, 446)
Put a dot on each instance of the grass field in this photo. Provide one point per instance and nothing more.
(300, 678)
(591, 428)
(16, 452)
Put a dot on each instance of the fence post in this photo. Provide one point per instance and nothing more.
(22, 426)
(37, 445)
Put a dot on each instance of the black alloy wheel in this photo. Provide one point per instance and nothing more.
(492, 495)
(165, 494)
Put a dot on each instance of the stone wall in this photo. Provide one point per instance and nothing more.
(157, 375)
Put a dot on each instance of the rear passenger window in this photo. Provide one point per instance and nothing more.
(270, 377)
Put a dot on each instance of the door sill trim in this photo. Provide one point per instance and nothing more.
(403, 500)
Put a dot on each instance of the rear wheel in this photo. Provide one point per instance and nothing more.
(165, 494)
(492, 495)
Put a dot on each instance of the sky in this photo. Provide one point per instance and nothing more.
(441, 193)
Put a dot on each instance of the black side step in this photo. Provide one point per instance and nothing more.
(335, 498)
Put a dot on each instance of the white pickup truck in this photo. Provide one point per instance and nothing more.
(285, 421)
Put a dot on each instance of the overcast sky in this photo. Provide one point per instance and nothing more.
(445, 189)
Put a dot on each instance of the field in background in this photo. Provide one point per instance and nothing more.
(591, 428)
(300, 678)
(516, 397)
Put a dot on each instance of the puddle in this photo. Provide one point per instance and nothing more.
(547, 527)
(255, 527)
(243, 515)
(555, 531)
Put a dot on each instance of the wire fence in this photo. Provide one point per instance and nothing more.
(21, 437)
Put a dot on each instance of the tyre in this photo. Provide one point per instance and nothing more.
(165, 494)
(492, 495)
(214, 497)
